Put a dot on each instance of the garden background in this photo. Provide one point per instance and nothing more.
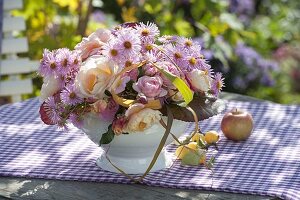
(255, 43)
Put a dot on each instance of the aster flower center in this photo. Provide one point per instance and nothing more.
(177, 55)
(219, 85)
(145, 32)
(188, 43)
(52, 65)
(76, 61)
(128, 63)
(72, 95)
(127, 44)
(149, 47)
(192, 61)
(114, 52)
(65, 62)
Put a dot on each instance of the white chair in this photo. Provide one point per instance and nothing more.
(11, 66)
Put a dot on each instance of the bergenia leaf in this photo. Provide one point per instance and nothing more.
(204, 107)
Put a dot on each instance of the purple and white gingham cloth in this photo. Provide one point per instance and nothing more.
(268, 163)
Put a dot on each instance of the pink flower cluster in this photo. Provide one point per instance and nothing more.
(126, 61)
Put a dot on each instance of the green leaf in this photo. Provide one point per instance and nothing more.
(205, 107)
(201, 143)
(185, 91)
(108, 136)
(210, 163)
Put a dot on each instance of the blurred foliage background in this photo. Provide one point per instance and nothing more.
(255, 43)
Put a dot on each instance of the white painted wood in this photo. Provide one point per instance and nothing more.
(21, 65)
(12, 4)
(13, 24)
(14, 45)
(15, 87)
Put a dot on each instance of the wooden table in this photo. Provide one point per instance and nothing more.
(27, 188)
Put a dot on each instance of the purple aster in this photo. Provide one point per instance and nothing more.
(217, 83)
(153, 56)
(176, 54)
(128, 42)
(112, 51)
(167, 39)
(75, 60)
(206, 67)
(186, 42)
(147, 45)
(52, 110)
(147, 31)
(69, 96)
(64, 58)
(48, 64)
(76, 120)
(127, 61)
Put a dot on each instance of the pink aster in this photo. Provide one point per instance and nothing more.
(52, 110)
(217, 84)
(112, 51)
(49, 64)
(69, 96)
(147, 31)
(176, 54)
(65, 60)
(128, 42)
(167, 39)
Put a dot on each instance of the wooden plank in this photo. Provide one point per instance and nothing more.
(12, 4)
(15, 87)
(19, 66)
(14, 45)
(13, 24)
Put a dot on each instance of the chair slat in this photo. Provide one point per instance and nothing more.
(12, 4)
(13, 24)
(15, 87)
(21, 65)
(14, 45)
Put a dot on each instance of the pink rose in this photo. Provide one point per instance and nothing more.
(150, 86)
(92, 44)
(96, 75)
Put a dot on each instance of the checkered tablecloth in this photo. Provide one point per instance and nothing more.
(268, 163)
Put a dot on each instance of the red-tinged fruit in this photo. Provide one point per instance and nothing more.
(237, 125)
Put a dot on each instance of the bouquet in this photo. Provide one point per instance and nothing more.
(129, 76)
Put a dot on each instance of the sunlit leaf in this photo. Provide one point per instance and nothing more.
(185, 91)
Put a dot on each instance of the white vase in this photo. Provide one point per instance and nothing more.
(132, 152)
